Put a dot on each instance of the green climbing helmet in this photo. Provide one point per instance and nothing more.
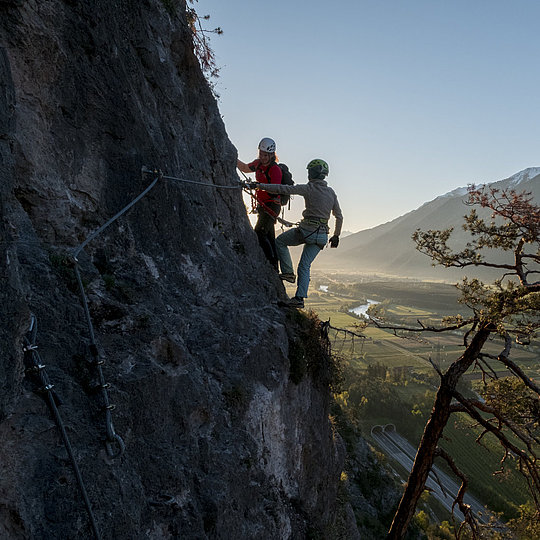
(317, 169)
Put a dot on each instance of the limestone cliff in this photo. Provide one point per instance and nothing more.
(219, 441)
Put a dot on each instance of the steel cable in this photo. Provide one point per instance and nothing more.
(112, 437)
(37, 368)
(217, 186)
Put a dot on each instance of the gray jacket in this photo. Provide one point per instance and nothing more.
(321, 200)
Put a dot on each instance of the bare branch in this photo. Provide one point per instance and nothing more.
(346, 331)
(481, 357)
(465, 508)
(502, 421)
(457, 407)
(435, 367)
(468, 333)
(517, 371)
(422, 328)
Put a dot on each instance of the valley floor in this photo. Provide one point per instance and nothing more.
(379, 363)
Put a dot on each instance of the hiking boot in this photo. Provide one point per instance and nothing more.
(291, 278)
(296, 302)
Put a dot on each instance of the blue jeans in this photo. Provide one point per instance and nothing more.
(313, 242)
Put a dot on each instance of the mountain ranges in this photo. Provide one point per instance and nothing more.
(388, 250)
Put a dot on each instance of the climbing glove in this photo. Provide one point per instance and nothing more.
(334, 241)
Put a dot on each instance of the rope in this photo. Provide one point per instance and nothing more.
(116, 216)
(269, 210)
(113, 439)
(217, 186)
(37, 368)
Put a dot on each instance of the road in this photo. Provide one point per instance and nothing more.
(398, 448)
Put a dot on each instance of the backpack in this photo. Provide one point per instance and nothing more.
(286, 180)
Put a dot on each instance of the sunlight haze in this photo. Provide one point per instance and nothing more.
(405, 100)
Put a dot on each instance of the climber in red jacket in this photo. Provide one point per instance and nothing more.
(268, 208)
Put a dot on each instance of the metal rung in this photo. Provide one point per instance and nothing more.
(35, 369)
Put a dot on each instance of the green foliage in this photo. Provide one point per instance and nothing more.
(511, 303)
(346, 428)
(512, 399)
(527, 525)
(376, 398)
(309, 351)
(377, 371)
(422, 404)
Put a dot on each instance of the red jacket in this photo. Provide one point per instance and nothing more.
(260, 176)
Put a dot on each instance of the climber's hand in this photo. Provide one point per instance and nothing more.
(334, 241)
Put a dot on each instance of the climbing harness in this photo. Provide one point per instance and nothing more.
(255, 204)
(36, 369)
(315, 221)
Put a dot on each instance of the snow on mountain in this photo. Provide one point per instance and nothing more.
(458, 192)
(387, 249)
(524, 176)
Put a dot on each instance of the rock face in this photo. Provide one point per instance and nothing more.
(219, 441)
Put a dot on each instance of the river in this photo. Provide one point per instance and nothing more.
(362, 310)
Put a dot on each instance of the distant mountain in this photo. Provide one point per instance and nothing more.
(388, 249)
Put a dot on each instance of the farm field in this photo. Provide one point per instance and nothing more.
(383, 346)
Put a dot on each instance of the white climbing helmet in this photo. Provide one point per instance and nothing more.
(267, 145)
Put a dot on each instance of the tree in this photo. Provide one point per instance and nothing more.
(201, 44)
(510, 308)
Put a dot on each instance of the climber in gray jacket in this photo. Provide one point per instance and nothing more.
(321, 200)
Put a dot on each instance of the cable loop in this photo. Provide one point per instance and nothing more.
(109, 445)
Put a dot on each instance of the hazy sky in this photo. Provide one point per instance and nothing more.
(405, 99)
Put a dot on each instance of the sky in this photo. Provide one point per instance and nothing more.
(405, 99)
